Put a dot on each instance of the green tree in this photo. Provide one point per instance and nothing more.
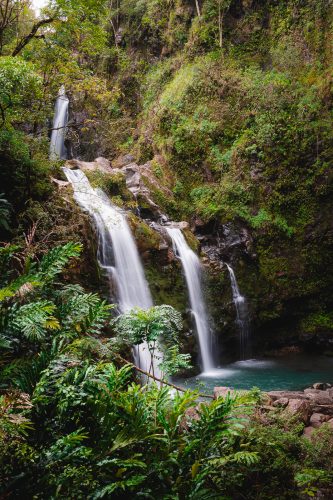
(159, 328)
(20, 91)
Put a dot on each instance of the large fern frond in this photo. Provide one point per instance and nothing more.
(34, 320)
(20, 286)
(56, 259)
(83, 312)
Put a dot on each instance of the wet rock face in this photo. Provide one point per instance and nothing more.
(136, 185)
(220, 244)
(223, 243)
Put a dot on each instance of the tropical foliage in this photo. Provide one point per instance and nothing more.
(76, 424)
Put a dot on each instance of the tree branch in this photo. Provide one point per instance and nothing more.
(26, 39)
(159, 379)
(69, 125)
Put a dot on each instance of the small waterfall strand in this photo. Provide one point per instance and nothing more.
(57, 144)
(192, 270)
(242, 319)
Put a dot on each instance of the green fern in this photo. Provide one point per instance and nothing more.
(34, 320)
(50, 266)
(23, 284)
(24, 374)
(246, 457)
(126, 485)
(56, 259)
(83, 312)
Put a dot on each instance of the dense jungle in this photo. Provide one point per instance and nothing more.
(166, 237)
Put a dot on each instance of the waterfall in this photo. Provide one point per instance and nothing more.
(242, 314)
(117, 253)
(57, 144)
(192, 270)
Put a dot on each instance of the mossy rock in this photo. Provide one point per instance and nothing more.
(113, 184)
(147, 239)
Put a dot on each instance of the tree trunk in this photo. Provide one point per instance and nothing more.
(220, 25)
(198, 8)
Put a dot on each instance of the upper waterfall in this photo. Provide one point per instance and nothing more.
(242, 314)
(57, 144)
(117, 252)
(192, 270)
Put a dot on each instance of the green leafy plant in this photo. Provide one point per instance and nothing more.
(159, 328)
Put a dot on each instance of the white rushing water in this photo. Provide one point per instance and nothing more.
(57, 144)
(242, 314)
(192, 270)
(117, 253)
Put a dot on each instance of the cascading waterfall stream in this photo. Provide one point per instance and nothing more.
(117, 254)
(192, 270)
(242, 314)
(57, 144)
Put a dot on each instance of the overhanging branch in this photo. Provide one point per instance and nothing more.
(26, 39)
(160, 380)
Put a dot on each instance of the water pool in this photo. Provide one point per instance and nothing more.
(293, 372)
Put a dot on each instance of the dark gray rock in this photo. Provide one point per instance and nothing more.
(325, 409)
(321, 386)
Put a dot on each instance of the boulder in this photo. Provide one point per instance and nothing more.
(281, 403)
(317, 419)
(330, 392)
(325, 409)
(222, 392)
(318, 396)
(300, 408)
(189, 415)
(100, 164)
(321, 385)
(103, 164)
(136, 181)
(123, 160)
(308, 431)
(133, 178)
(274, 395)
